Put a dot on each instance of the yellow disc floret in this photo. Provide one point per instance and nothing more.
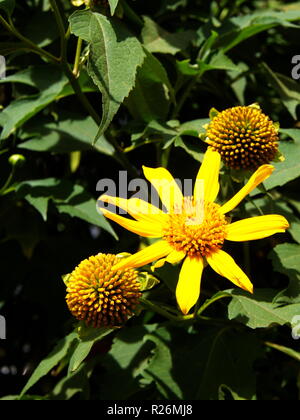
(198, 230)
(244, 136)
(100, 296)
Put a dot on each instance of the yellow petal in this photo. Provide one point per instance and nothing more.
(174, 258)
(166, 186)
(139, 209)
(209, 176)
(146, 229)
(256, 228)
(188, 287)
(151, 253)
(225, 265)
(257, 178)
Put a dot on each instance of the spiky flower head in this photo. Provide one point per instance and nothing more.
(101, 296)
(244, 136)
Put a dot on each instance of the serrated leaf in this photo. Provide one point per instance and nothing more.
(115, 55)
(289, 169)
(260, 310)
(59, 353)
(150, 98)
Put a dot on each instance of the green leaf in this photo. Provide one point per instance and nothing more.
(115, 55)
(60, 352)
(71, 385)
(288, 89)
(160, 368)
(192, 148)
(150, 98)
(85, 345)
(158, 40)
(49, 80)
(148, 281)
(216, 357)
(226, 358)
(72, 132)
(291, 133)
(260, 310)
(8, 6)
(218, 61)
(80, 204)
(289, 257)
(193, 128)
(126, 360)
(295, 231)
(68, 198)
(225, 389)
(238, 29)
(285, 260)
(113, 5)
(289, 169)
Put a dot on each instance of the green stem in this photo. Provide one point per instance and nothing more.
(31, 45)
(62, 30)
(8, 182)
(77, 58)
(159, 310)
(288, 351)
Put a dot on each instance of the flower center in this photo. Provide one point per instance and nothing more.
(196, 228)
(244, 136)
(100, 296)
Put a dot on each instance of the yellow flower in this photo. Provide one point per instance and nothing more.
(195, 228)
(78, 3)
(101, 296)
(244, 136)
